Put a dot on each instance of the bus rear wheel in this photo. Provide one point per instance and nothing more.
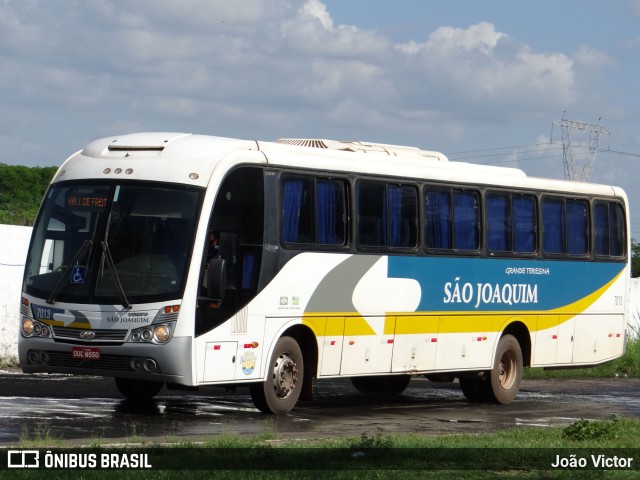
(506, 374)
(387, 385)
(281, 390)
(140, 390)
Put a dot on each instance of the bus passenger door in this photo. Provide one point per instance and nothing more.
(367, 347)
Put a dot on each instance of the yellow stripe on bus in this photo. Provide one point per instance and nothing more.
(408, 323)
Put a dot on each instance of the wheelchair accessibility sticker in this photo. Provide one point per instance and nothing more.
(78, 274)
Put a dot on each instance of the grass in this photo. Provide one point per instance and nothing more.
(410, 456)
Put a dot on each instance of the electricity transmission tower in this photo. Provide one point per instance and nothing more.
(580, 170)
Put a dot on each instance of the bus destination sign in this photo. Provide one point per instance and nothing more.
(87, 201)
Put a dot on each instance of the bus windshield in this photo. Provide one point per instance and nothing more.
(112, 243)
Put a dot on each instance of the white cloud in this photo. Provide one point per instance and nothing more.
(264, 68)
(311, 31)
(482, 38)
(591, 58)
(481, 67)
(318, 10)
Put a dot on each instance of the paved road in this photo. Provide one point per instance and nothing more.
(86, 409)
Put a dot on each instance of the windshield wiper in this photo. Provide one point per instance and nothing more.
(112, 266)
(79, 254)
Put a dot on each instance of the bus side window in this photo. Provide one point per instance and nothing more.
(577, 227)
(331, 215)
(466, 217)
(553, 226)
(498, 222)
(372, 213)
(524, 224)
(609, 229)
(438, 219)
(403, 216)
(617, 230)
(297, 210)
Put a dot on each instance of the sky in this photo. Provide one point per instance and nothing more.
(482, 81)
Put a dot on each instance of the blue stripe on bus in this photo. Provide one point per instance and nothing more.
(481, 284)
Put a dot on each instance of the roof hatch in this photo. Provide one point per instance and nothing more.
(149, 142)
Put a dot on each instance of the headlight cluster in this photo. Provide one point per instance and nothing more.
(155, 333)
(33, 328)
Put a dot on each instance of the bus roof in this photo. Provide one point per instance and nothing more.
(192, 159)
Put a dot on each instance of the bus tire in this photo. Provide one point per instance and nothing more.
(281, 390)
(386, 385)
(506, 374)
(476, 390)
(138, 389)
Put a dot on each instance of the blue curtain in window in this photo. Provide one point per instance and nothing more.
(577, 228)
(438, 219)
(498, 223)
(617, 234)
(326, 212)
(395, 215)
(292, 201)
(602, 228)
(465, 217)
(553, 226)
(524, 218)
(248, 270)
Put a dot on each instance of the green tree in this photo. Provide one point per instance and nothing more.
(635, 258)
(21, 191)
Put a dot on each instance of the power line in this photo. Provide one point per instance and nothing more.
(554, 146)
(498, 148)
(526, 159)
(456, 159)
(621, 153)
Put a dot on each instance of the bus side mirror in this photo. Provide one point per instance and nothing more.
(217, 279)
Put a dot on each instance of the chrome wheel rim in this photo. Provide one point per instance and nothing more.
(285, 376)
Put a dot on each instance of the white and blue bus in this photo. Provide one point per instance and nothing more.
(184, 260)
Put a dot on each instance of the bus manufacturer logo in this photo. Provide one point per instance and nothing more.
(87, 335)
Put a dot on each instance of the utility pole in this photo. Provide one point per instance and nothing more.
(579, 170)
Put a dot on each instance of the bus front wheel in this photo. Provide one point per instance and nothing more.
(280, 392)
(138, 389)
(506, 374)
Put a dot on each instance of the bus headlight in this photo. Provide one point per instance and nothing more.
(154, 333)
(161, 334)
(33, 328)
(27, 327)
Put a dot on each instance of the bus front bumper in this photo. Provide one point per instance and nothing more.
(170, 363)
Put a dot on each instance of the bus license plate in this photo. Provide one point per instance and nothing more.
(85, 353)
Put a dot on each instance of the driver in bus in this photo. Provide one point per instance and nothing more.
(214, 248)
